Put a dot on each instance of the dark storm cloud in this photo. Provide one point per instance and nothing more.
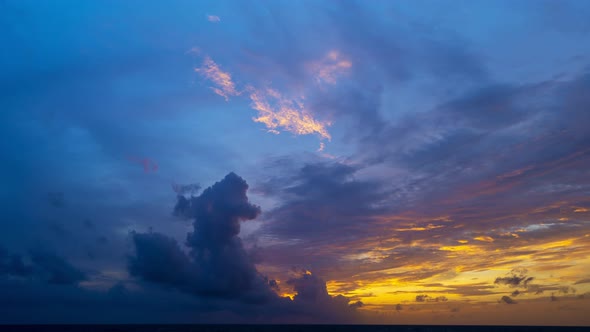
(217, 264)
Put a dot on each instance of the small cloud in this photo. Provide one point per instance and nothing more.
(516, 278)
(321, 148)
(225, 87)
(507, 300)
(329, 68)
(213, 18)
(484, 238)
(427, 298)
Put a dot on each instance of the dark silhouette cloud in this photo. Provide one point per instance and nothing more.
(507, 300)
(217, 264)
(427, 298)
(516, 278)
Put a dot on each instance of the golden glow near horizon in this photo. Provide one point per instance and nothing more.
(458, 278)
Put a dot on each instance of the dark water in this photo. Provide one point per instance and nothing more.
(281, 328)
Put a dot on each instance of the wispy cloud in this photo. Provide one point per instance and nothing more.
(329, 68)
(213, 18)
(275, 110)
(278, 112)
(225, 86)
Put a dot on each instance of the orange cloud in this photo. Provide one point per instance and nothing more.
(223, 81)
(484, 238)
(330, 67)
(276, 111)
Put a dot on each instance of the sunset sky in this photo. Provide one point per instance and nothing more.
(390, 162)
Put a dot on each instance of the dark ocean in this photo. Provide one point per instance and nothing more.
(285, 328)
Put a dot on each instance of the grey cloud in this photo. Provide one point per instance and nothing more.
(583, 281)
(507, 300)
(56, 268)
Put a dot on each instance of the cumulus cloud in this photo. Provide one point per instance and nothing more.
(217, 266)
(312, 299)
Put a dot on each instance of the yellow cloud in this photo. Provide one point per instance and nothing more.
(484, 238)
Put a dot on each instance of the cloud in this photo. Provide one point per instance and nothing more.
(427, 298)
(274, 109)
(484, 238)
(217, 264)
(312, 298)
(507, 300)
(225, 87)
(56, 269)
(278, 112)
(213, 18)
(328, 69)
(583, 281)
(186, 189)
(13, 265)
(516, 278)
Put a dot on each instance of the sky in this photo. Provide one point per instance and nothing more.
(367, 162)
